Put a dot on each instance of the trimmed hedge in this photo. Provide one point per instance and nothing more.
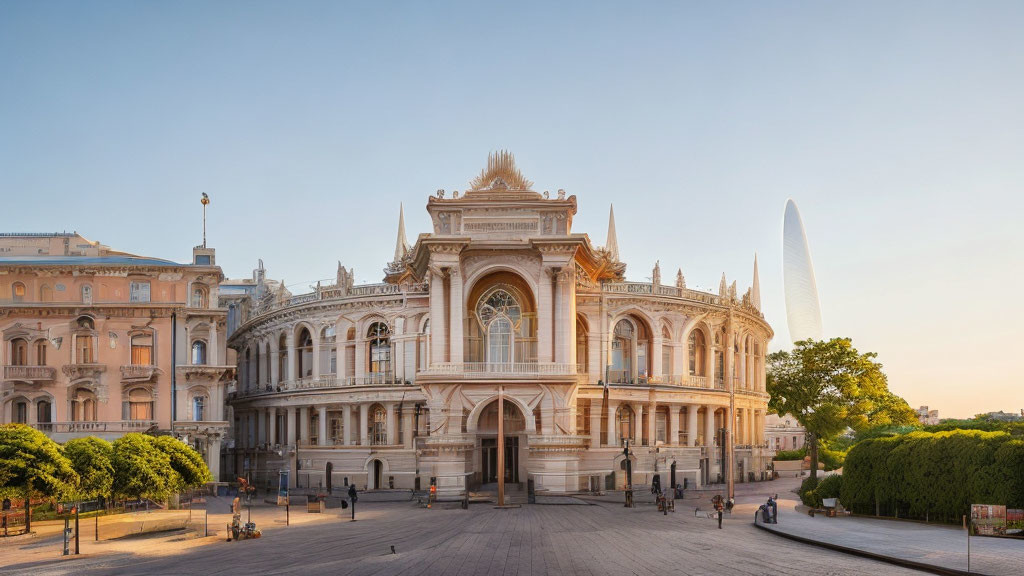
(933, 476)
(813, 491)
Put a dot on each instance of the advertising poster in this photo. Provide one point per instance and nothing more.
(988, 519)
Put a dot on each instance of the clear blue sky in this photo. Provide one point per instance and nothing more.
(898, 127)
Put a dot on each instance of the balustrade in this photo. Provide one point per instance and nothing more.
(29, 373)
(114, 426)
(484, 369)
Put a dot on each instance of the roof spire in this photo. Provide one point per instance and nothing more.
(612, 244)
(755, 289)
(401, 246)
(723, 288)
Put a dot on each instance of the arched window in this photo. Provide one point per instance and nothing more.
(379, 336)
(666, 351)
(140, 404)
(83, 406)
(282, 359)
(45, 293)
(18, 292)
(582, 353)
(44, 412)
(19, 352)
(623, 341)
(305, 354)
(198, 296)
(40, 352)
(424, 360)
(328, 351)
(378, 426)
(624, 420)
(86, 294)
(198, 353)
(199, 408)
(500, 314)
(698, 353)
(85, 339)
(142, 350)
(20, 413)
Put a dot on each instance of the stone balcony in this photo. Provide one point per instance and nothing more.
(79, 371)
(502, 371)
(204, 372)
(138, 372)
(120, 426)
(34, 374)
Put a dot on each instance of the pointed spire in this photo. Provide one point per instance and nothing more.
(723, 288)
(755, 288)
(612, 244)
(680, 281)
(732, 291)
(401, 246)
(656, 273)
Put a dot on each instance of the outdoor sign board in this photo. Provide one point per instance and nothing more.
(282, 488)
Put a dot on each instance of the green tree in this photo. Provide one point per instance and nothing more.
(141, 470)
(189, 467)
(91, 457)
(828, 386)
(32, 465)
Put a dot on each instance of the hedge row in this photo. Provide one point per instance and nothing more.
(934, 476)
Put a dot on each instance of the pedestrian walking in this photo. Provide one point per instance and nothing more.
(352, 497)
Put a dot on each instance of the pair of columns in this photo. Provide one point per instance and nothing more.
(614, 438)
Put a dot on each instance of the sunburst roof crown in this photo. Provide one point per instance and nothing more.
(501, 174)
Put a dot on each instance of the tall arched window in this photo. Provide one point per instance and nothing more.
(85, 338)
(45, 293)
(198, 353)
(44, 412)
(19, 352)
(83, 406)
(199, 408)
(623, 341)
(18, 292)
(282, 359)
(304, 353)
(379, 336)
(624, 420)
(698, 353)
(20, 412)
(198, 296)
(666, 351)
(378, 426)
(500, 314)
(142, 350)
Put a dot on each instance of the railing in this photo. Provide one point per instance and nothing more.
(672, 291)
(118, 426)
(29, 373)
(331, 293)
(487, 369)
(137, 371)
(326, 381)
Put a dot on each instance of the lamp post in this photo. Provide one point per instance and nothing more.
(205, 201)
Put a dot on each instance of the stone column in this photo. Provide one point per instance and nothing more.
(390, 429)
(709, 426)
(363, 424)
(275, 376)
(213, 457)
(316, 353)
(290, 342)
(613, 433)
(321, 433)
(438, 334)
(749, 425)
(545, 316)
(290, 425)
(304, 425)
(691, 424)
(595, 422)
(656, 368)
(652, 424)
(408, 420)
(638, 426)
(455, 311)
(346, 424)
(673, 425)
(212, 355)
(272, 415)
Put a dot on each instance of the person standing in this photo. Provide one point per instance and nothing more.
(352, 497)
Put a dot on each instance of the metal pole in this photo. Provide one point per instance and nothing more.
(66, 530)
(287, 505)
(969, 519)
(501, 447)
(77, 506)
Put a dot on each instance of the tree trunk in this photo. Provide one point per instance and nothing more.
(813, 451)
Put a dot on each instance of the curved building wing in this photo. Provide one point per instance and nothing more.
(803, 311)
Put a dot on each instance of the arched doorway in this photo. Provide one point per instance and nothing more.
(328, 473)
(376, 475)
(514, 429)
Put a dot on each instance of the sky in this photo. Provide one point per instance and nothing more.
(897, 127)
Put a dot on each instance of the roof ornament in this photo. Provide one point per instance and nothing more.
(723, 289)
(612, 243)
(755, 288)
(501, 174)
(401, 245)
(680, 281)
(656, 273)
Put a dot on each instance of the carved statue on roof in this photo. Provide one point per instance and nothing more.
(501, 174)
(680, 281)
(656, 273)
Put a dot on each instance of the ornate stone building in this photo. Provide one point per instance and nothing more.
(395, 384)
(98, 342)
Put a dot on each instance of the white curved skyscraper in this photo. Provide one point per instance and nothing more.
(803, 310)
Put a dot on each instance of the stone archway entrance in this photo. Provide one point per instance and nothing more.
(376, 475)
(486, 465)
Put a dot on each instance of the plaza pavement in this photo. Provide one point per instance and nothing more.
(942, 547)
(596, 539)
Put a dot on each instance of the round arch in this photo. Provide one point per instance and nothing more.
(473, 420)
(470, 283)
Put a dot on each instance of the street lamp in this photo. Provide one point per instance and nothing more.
(629, 474)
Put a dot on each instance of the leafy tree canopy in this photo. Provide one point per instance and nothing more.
(140, 469)
(32, 465)
(189, 467)
(828, 386)
(92, 459)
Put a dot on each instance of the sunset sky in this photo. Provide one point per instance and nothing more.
(897, 127)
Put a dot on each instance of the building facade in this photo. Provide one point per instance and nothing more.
(784, 433)
(98, 342)
(927, 417)
(396, 384)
